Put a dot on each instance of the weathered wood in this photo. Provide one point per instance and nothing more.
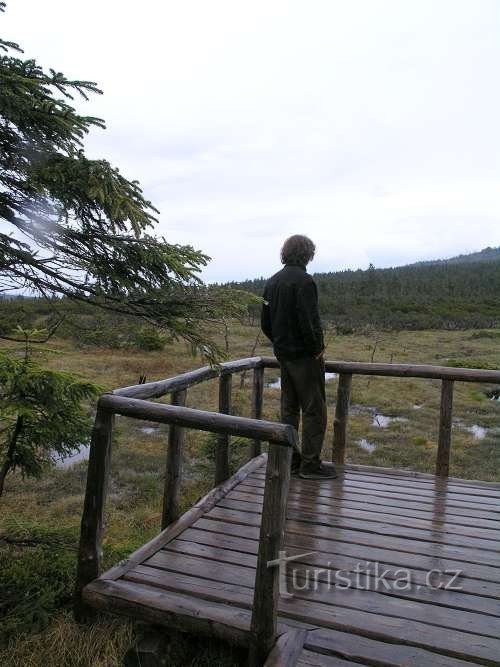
(223, 439)
(372, 493)
(287, 649)
(187, 519)
(443, 525)
(421, 476)
(257, 398)
(175, 611)
(173, 469)
(281, 434)
(157, 389)
(393, 527)
(341, 417)
(92, 524)
(445, 425)
(402, 370)
(272, 531)
(371, 651)
(470, 598)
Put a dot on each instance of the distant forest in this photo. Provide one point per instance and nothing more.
(458, 293)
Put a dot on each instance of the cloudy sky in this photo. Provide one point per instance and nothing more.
(370, 125)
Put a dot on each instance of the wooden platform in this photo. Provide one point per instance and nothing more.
(199, 573)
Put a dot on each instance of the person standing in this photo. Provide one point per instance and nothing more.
(290, 319)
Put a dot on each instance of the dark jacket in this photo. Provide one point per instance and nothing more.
(290, 315)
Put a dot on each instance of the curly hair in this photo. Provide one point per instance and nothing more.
(297, 249)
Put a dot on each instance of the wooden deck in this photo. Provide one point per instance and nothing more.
(199, 573)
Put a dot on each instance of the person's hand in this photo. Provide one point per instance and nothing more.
(320, 355)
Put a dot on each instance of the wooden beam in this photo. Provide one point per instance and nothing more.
(403, 370)
(204, 505)
(223, 440)
(445, 425)
(186, 380)
(272, 532)
(92, 524)
(173, 470)
(177, 612)
(280, 434)
(341, 418)
(286, 652)
(257, 399)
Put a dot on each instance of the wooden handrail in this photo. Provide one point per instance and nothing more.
(279, 436)
(403, 370)
(130, 402)
(185, 380)
(202, 420)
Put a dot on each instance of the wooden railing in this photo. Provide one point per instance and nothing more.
(136, 402)
(448, 376)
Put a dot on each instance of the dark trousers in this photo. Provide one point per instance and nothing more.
(303, 388)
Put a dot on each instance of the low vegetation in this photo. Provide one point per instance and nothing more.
(39, 519)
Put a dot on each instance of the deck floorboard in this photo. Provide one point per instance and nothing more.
(363, 523)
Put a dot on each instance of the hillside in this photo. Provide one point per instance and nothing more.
(485, 255)
(462, 292)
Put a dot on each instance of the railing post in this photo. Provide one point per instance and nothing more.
(445, 424)
(341, 417)
(92, 525)
(173, 470)
(222, 450)
(257, 396)
(272, 532)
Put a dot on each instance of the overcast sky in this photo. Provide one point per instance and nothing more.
(370, 125)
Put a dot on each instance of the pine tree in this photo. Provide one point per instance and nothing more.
(42, 412)
(75, 227)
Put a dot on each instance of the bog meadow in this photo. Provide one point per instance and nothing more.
(393, 422)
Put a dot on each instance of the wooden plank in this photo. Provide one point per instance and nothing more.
(223, 439)
(341, 418)
(311, 659)
(431, 523)
(271, 538)
(186, 520)
(432, 484)
(159, 388)
(92, 524)
(428, 495)
(419, 476)
(287, 650)
(257, 399)
(374, 553)
(360, 649)
(374, 508)
(139, 600)
(403, 370)
(435, 549)
(173, 469)
(462, 645)
(324, 516)
(332, 489)
(177, 612)
(440, 487)
(468, 599)
(342, 557)
(445, 425)
(280, 434)
(323, 589)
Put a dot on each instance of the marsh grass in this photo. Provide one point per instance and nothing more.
(36, 578)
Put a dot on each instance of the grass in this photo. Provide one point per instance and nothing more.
(40, 518)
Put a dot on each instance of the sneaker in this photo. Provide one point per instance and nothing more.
(317, 471)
